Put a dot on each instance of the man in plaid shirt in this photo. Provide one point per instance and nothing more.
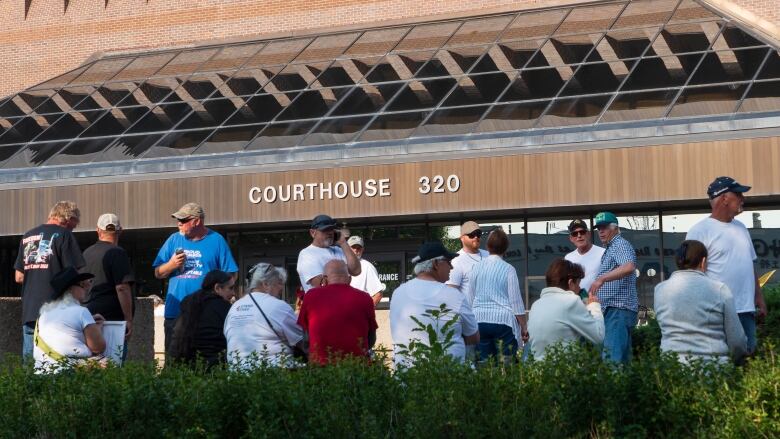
(615, 286)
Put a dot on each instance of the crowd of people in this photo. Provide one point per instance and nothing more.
(472, 300)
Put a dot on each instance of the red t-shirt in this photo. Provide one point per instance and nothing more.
(338, 319)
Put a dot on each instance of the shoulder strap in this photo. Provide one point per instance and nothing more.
(266, 318)
(54, 355)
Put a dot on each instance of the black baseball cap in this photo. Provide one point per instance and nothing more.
(721, 185)
(433, 249)
(323, 222)
(578, 224)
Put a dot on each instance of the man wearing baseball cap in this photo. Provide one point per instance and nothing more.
(615, 286)
(112, 294)
(585, 253)
(186, 257)
(468, 256)
(425, 292)
(325, 246)
(731, 252)
(368, 279)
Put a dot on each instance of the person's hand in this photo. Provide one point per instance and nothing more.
(760, 311)
(128, 329)
(524, 335)
(343, 237)
(593, 298)
(177, 260)
(99, 319)
(594, 287)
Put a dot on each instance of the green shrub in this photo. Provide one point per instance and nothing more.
(770, 328)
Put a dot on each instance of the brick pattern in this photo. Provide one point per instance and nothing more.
(49, 42)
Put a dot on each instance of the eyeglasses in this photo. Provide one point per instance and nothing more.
(185, 220)
(577, 233)
(475, 234)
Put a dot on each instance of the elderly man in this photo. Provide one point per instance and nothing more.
(325, 246)
(585, 253)
(186, 257)
(45, 251)
(111, 295)
(731, 252)
(467, 257)
(368, 279)
(339, 319)
(615, 286)
(425, 293)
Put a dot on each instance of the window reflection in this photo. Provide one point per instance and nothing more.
(708, 100)
(229, 139)
(393, 126)
(763, 96)
(451, 121)
(577, 111)
(639, 106)
(516, 116)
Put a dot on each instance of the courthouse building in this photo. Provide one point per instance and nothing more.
(400, 118)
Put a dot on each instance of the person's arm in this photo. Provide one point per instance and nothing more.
(125, 295)
(587, 322)
(469, 324)
(176, 262)
(316, 281)
(516, 303)
(759, 298)
(19, 276)
(371, 338)
(618, 272)
(377, 298)
(373, 284)
(522, 320)
(93, 334)
(353, 263)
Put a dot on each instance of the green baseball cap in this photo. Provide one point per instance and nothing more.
(604, 218)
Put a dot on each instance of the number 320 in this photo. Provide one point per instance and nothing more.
(438, 184)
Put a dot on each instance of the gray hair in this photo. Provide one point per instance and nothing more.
(265, 273)
(426, 266)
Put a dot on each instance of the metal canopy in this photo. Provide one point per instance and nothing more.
(608, 70)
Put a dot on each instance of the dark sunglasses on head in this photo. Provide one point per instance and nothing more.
(475, 234)
(185, 220)
(577, 233)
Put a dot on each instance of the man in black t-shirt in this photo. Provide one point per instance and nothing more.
(43, 252)
(111, 294)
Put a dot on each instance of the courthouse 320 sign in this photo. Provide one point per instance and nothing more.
(347, 189)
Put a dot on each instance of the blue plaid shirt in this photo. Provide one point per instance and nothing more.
(619, 293)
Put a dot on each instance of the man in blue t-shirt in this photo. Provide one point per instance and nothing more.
(186, 257)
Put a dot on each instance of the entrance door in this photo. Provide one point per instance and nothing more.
(391, 267)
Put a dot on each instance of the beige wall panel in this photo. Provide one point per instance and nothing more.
(528, 181)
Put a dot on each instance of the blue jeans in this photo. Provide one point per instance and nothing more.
(618, 325)
(490, 336)
(27, 343)
(748, 320)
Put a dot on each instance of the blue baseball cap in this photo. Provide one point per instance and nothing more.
(721, 185)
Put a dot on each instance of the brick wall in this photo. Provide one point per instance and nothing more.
(48, 42)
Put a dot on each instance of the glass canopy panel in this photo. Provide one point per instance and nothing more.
(144, 67)
(689, 10)
(729, 66)
(9, 108)
(70, 125)
(762, 96)
(398, 66)
(623, 44)
(537, 83)
(376, 42)
(582, 110)
(661, 72)
(367, 98)
(115, 122)
(255, 80)
(646, 13)
(278, 52)
(23, 129)
(515, 116)
(569, 49)
(451, 121)
(480, 31)
(421, 94)
(393, 126)
(177, 144)
(326, 48)
(281, 135)
(509, 55)
(335, 131)
(128, 147)
(210, 113)
(771, 68)
(8, 151)
(187, 62)
(428, 36)
(231, 58)
(699, 101)
(452, 62)
(230, 139)
(597, 78)
(311, 104)
(34, 154)
(689, 37)
(102, 70)
(590, 19)
(534, 25)
(736, 38)
(62, 80)
(164, 117)
(478, 89)
(639, 106)
(80, 151)
(259, 108)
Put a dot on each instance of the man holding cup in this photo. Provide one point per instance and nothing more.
(328, 243)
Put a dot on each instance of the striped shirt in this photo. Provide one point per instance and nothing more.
(620, 293)
(496, 291)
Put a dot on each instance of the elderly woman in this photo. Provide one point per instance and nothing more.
(498, 302)
(559, 316)
(427, 291)
(260, 327)
(198, 333)
(66, 334)
(697, 314)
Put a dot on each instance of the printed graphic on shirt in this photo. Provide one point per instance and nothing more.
(37, 251)
(193, 267)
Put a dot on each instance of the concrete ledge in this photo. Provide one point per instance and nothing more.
(141, 343)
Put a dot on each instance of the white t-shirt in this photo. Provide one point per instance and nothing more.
(461, 268)
(248, 333)
(590, 262)
(414, 298)
(62, 328)
(368, 279)
(312, 260)
(730, 256)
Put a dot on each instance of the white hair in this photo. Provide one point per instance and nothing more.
(63, 301)
(265, 273)
(426, 266)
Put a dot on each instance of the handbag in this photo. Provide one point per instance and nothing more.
(298, 353)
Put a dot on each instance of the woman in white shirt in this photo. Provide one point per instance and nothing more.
(498, 301)
(260, 327)
(559, 316)
(66, 334)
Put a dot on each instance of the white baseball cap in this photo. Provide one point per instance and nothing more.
(109, 221)
(355, 240)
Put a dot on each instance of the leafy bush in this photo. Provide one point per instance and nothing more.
(770, 329)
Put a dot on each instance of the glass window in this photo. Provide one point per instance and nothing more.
(478, 89)
(229, 139)
(278, 52)
(231, 57)
(76, 98)
(529, 25)
(117, 93)
(648, 13)
(334, 131)
(727, 66)
(691, 37)
(548, 239)
(23, 129)
(198, 87)
(79, 151)
(326, 47)
(642, 230)
(128, 147)
(162, 117)
(70, 125)
(282, 135)
(396, 66)
(210, 113)
(569, 49)
(421, 94)
(661, 72)
(480, 31)
(720, 99)
(451, 62)
(736, 37)
(624, 44)
(250, 81)
(376, 42)
(144, 67)
(260, 108)
(450, 121)
(38, 101)
(312, 103)
(771, 69)
(577, 111)
(690, 10)
(177, 143)
(536, 83)
(115, 122)
(297, 76)
(7, 151)
(34, 155)
(356, 69)
(101, 71)
(428, 36)
(393, 126)
(368, 98)
(762, 96)
(590, 19)
(639, 106)
(509, 56)
(62, 80)
(8, 108)
(515, 116)
(187, 62)
(597, 78)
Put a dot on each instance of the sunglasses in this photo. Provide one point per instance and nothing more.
(185, 220)
(577, 233)
(475, 234)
